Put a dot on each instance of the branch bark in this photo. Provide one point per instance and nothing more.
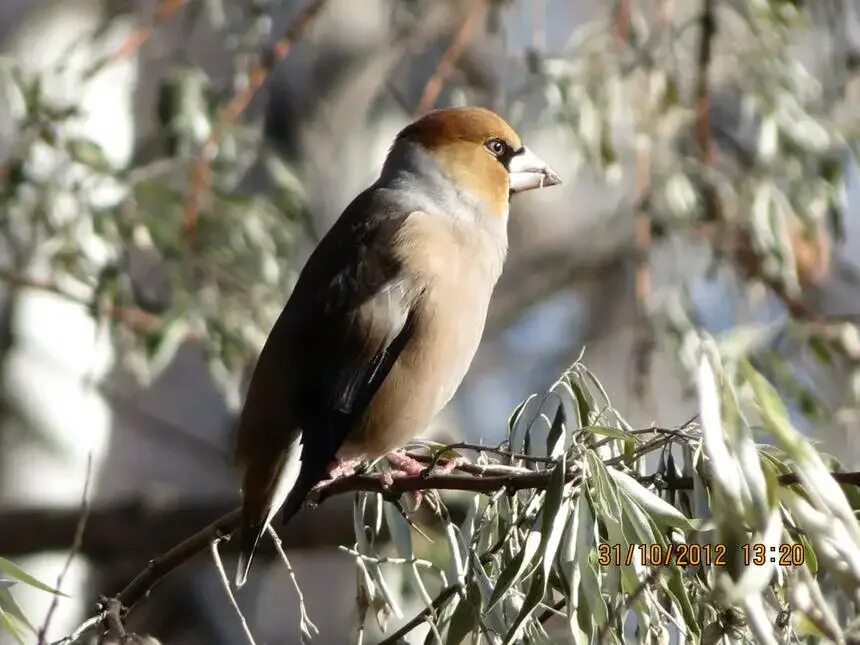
(449, 59)
(201, 171)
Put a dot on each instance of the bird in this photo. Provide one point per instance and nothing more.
(386, 315)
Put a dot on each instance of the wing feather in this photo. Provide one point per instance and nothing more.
(344, 326)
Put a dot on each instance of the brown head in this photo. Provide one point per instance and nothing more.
(480, 153)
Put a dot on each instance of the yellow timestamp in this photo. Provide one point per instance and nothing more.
(656, 555)
(784, 555)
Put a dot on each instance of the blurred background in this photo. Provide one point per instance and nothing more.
(166, 167)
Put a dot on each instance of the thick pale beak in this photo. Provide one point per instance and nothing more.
(527, 171)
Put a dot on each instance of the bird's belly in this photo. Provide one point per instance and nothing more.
(428, 372)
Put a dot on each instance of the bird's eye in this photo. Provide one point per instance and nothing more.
(497, 147)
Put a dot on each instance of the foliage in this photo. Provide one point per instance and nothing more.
(12, 619)
(584, 555)
(736, 140)
(165, 248)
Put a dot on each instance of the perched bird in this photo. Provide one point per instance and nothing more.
(386, 314)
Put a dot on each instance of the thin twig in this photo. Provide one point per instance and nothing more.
(704, 136)
(671, 432)
(307, 625)
(644, 342)
(445, 66)
(446, 594)
(554, 610)
(164, 564)
(219, 565)
(400, 485)
(498, 450)
(73, 551)
(15, 279)
(788, 479)
(201, 173)
(418, 562)
(745, 255)
(131, 316)
(137, 38)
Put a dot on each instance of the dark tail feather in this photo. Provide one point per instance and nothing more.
(250, 536)
(251, 532)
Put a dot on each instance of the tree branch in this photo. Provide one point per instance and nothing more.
(137, 38)
(449, 59)
(201, 173)
(83, 513)
(703, 97)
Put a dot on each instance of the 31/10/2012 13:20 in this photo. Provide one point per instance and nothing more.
(698, 554)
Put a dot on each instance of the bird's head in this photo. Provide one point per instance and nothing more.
(472, 149)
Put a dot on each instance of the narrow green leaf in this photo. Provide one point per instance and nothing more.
(554, 541)
(773, 410)
(555, 440)
(364, 547)
(495, 617)
(602, 487)
(515, 420)
(552, 501)
(512, 573)
(615, 433)
(13, 570)
(11, 607)
(466, 617)
(584, 404)
(8, 623)
(89, 153)
(401, 532)
(678, 590)
(662, 511)
(532, 600)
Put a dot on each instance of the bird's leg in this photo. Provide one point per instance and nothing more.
(337, 468)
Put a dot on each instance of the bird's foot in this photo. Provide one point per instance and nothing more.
(342, 468)
(401, 462)
(404, 466)
(335, 470)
